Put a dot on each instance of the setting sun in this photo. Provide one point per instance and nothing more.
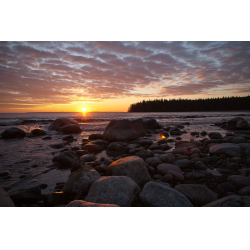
(84, 109)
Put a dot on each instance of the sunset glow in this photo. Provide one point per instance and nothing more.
(109, 76)
(84, 110)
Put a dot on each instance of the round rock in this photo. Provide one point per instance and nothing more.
(133, 167)
(119, 190)
(158, 195)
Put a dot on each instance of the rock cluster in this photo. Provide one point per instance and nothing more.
(207, 171)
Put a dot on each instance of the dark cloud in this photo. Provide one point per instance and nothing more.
(62, 72)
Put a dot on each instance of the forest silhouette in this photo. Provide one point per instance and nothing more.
(187, 105)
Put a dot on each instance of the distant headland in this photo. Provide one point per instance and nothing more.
(187, 105)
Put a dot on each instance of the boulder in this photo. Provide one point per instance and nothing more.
(116, 148)
(181, 151)
(57, 145)
(145, 142)
(237, 123)
(195, 150)
(164, 168)
(81, 203)
(5, 200)
(131, 146)
(187, 145)
(4, 173)
(224, 188)
(195, 176)
(229, 149)
(198, 195)
(167, 158)
(76, 165)
(119, 130)
(29, 195)
(119, 190)
(152, 124)
(247, 152)
(108, 161)
(167, 178)
(38, 132)
(93, 148)
(229, 201)
(182, 164)
(80, 181)
(54, 199)
(244, 146)
(100, 143)
(144, 154)
(154, 146)
(133, 167)
(70, 129)
(61, 122)
(153, 161)
(65, 159)
(13, 133)
(95, 137)
(199, 165)
(215, 135)
(244, 191)
(158, 195)
(133, 151)
(190, 144)
(68, 138)
(88, 158)
(239, 181)
(237, 139)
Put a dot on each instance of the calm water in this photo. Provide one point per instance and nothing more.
(33, 156)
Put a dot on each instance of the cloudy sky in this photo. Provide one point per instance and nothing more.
(109, 76)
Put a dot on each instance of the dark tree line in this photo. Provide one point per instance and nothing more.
(186, 105)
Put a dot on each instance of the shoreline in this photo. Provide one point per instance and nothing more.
(152, 137)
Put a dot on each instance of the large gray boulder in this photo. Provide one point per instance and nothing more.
(80, 203)
(198, 195)
(80, 181)
(119, 190)
(5, 200)
(158, 195)
(65, 159)
(133, 167)
(13, 133)
(120, 130)
(61, 122)
(228, 149)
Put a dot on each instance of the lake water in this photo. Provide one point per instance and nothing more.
(33, 156)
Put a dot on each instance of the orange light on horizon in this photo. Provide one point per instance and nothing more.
(84, 110)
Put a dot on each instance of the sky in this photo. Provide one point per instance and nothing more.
(109, 76)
